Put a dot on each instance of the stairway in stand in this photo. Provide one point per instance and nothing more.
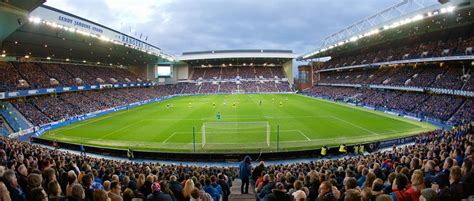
(235, 192)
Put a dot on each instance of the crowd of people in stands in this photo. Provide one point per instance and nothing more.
(411, 48)
(233, 87)
(447, 76)
(453, 109)
(233, 72)
(30, 172)
(32, 75)
(44, 109)
(439, 166)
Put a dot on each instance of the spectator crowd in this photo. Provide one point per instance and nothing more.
(438, 166)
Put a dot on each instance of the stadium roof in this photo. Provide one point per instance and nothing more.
(379, 27)
(236, 57)
(229, 54)
(51, 34)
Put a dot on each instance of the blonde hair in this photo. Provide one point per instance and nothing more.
(141, 180)
(417, 178)
(188, 188)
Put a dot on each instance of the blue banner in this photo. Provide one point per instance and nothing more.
(35, 92)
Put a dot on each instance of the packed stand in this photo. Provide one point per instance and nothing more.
(412, 48)
(29, 172)
(10, 78)
(208, 87)
(229, 73)
(434, 76)
(248, 87)
(447, 108)
(31, 75)
(438, 166)
(227, 87)
(40, 110)
(267, 87)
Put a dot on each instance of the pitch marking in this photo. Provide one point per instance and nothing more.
(357, 126)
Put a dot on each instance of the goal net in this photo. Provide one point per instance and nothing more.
(239, 91)
(235, 132)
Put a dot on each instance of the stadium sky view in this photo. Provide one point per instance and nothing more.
(178, 26)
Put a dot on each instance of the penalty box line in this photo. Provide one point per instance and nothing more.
(187, 132)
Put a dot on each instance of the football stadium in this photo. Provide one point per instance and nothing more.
(381, 109)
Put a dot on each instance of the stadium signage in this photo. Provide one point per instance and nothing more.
(399, 141)
(80, 24)
(392, 113)
(12, 94)
(60, 19)
(412, 117)
(23, 93)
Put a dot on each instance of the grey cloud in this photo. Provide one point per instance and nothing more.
(189, 25)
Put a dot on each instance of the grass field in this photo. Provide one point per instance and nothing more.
(303, 123)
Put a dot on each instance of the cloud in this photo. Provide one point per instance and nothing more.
(178, 26)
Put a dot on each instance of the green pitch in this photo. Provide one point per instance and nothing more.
(303, 123)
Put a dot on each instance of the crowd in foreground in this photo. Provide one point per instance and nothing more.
(437, 167)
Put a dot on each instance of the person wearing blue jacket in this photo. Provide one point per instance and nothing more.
(245, 173)
(213, 192)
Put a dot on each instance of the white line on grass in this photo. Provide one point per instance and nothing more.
(357, 126)
(297, 117)
(169, 137)
(303, 135)
(120, 129)
(92, 121)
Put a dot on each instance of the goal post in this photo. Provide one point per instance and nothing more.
(260, 131)
(238, 91)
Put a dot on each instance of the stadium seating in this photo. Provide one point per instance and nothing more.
(435, 76)
(30, 75)
(44, 109)
(413, 48)
(446, 108)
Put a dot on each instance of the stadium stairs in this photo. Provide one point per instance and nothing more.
(13, 117)
(5, 129)
(235, 192)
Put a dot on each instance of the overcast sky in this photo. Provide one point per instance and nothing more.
(179, 26)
